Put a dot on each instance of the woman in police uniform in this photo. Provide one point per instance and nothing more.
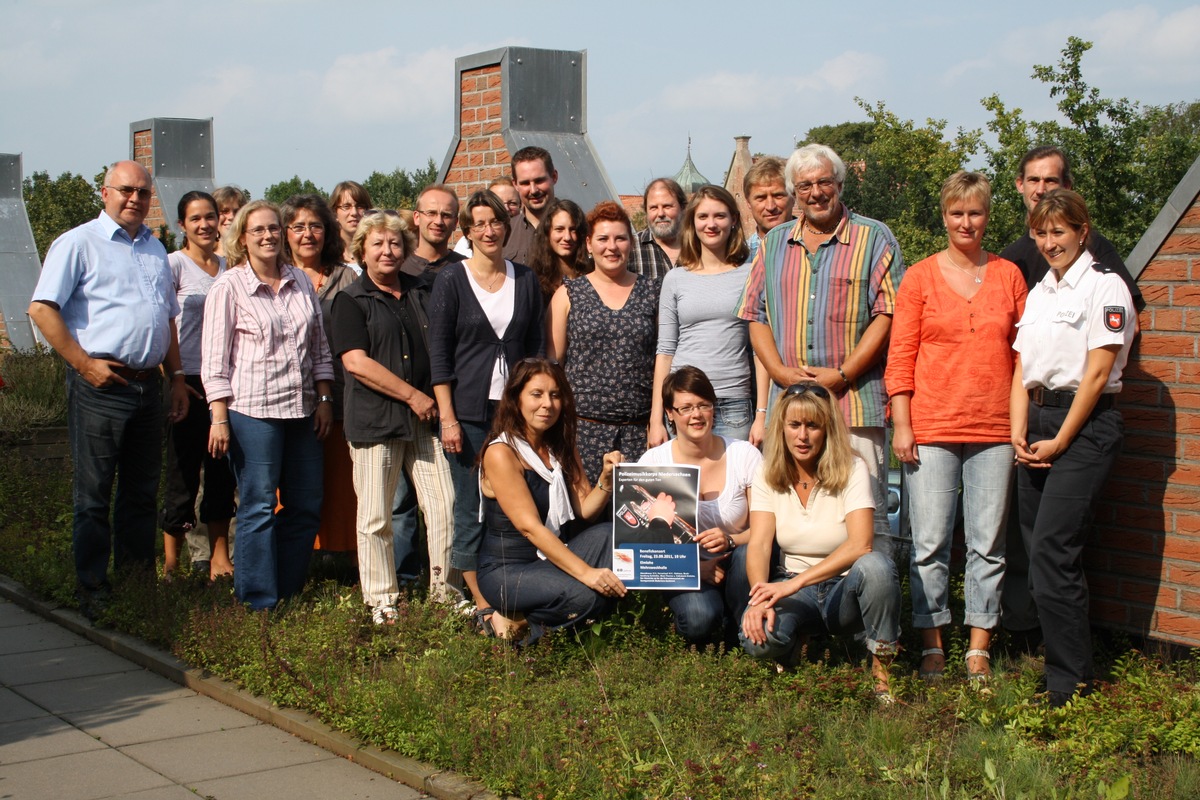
(1072, 344)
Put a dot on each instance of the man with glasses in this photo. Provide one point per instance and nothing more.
(534, 175)
(106, 303)
(819, 300)
(436, 216)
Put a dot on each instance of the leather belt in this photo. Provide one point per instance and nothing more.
(138, 374)
(1049, 398)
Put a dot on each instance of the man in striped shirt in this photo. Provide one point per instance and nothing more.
(819, 301)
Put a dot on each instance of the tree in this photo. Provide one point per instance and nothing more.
(850, 140)
(55, 206)
(399, 188)
(279, 192)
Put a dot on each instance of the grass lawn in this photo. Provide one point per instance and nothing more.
(623, 710)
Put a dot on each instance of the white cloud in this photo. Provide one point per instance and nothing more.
(386, 86)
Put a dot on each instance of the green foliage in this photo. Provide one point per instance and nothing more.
(56, 205)
(34, 393)
(850, 140)
(279, 192)
(399, 188)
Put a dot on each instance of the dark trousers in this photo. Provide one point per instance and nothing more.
(1055, 508)
(187, 453)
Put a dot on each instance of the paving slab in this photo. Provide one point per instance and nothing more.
(39, 635)
(334, 777)
(40, 666)
(134, 723)
(204, 756)
(40, 738)
(14, 707)
(13, 614)
(104, 691)
(171, 792)
(82, 776)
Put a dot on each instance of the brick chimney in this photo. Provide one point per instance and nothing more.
(178, 154)
(736, 175)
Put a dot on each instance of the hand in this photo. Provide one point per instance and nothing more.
(758, 430)
(193, 391)
(794, 375)
(904, 444)
(423, 406)
(768, 594)
(756, 622)
(611, 459)
(180, 399)
(218, 440)
(452, 437)
(657, 433)
(830, 378)
(711, 572)
(1041, 454)
(713, 540)
(603, 581)
(100, 372)
(661, 507)
(323, 420)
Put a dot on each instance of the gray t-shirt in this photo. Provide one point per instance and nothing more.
(191, 288)
(697, 326)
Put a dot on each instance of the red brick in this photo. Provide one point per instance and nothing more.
(498, 141)
(475, 159)
(1189, 371)
(1164, 319)
(1122, 490)
(493, 80)
(1139, 393)
(1155, 294)
(1147, 593)
(1182, 549)
(491, 173)
(1185, 474)
(1189, 602)
(1113, 611)
(466, 115)
(1187, 523)
(493, 112)
(1180, 242)
(1189, 448)
(491, 127)
(1130, 564)
(1187, 423)
(1191, 217)
(1148, 443)
(491, 96)
(1180, 625)
(1182, 498)
(1150, 368)
(1186, 295)
(1186, 398)
(1184, 575)
(1174, 268)
(1166, 344)
(1139, 517)
(470, 130)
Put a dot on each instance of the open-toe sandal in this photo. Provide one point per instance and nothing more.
(981, 676)
(483, 622)
(937, 673)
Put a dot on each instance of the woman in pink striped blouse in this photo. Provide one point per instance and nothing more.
(268, 376)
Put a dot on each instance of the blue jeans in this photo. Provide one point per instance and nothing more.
(986, 473)
(866, 599)
(699, 616)
(468, 530)
(732, 417)
(404, 531)
(273, 548)
(116, 435)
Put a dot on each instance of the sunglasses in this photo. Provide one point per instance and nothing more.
(797, 389)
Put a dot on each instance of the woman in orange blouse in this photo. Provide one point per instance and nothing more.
(949, 376)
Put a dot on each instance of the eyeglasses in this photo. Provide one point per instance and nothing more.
(263, 230)
(825, 184)
(491, 224)
(797, 389)
(312, 227)
(130, 191)
(444, 216)
(687, 411)
(349, 207)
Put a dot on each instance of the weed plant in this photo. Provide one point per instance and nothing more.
(623, 710)
(34, 393)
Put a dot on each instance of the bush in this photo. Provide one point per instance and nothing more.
(34, 394)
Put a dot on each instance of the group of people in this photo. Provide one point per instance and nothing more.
(334, 364)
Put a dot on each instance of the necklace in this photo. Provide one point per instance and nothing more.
(808, 227)
(974, 275)
(813, 481)
(496, 275)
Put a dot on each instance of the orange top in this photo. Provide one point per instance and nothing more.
(954, 356)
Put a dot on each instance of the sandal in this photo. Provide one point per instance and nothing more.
(384, 615)
(936, 674)
(483, 622)
(983, 675)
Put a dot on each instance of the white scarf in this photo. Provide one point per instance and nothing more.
(560, 496)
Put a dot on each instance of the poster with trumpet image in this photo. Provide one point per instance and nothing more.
(654, 526)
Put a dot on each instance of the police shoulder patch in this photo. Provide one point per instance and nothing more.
(1114, 318)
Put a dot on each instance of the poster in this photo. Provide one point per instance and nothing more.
(654, 526)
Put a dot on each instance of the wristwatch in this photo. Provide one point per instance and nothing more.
(325, 398)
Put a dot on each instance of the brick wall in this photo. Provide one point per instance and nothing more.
(481, 155)
(143, 153)
(1144, 565)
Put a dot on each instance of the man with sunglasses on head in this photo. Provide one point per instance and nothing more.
(819, 300)
(106, 302)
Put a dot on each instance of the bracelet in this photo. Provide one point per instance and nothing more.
(729, 542)
(325, 398)
(760, 411)
(219, 422)
(178, 374)
(845, 380)
(603, 488)
(449, 425)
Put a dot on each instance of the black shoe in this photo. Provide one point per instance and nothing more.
(93, 602)
(202, 568)
(1058, 699)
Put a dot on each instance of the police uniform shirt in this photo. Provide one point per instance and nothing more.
(1064, 319)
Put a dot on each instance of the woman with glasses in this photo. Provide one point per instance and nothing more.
(268, 375)
(349, 201)
(696, 323)
(534, 489)
(484, 316)
(949, 376)
(727, 469)
(311, 242)
(381, 330)
(195, 268)
(558, 247)
(812, 503)
(602, 329)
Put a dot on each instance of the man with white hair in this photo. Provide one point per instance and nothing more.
(819, 300)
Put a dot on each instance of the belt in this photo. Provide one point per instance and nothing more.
(640, 421)
(1047, 397)
(138, 374)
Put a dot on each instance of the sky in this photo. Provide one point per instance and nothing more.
(335, 91)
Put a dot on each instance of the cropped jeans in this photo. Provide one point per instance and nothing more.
(985, 470)
(732, 417)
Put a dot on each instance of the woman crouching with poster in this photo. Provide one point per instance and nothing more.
(533, 485)
(812, 501)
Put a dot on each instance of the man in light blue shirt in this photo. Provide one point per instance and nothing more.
(106, 302)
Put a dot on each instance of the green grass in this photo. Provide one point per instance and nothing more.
(625, 711)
